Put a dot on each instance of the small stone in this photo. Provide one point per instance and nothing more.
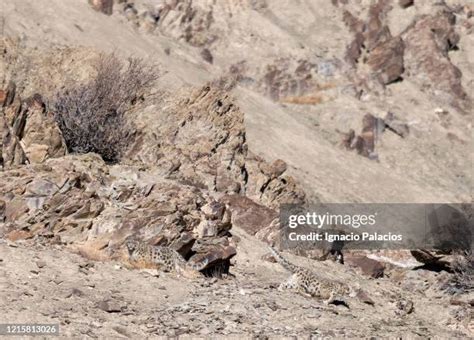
(207, 55)
(40, 264)
(122, 331)
(406, 3)
(74, 292)
(77, 292)
(150, 272)
(109, 306)
(362, 296)
(404, 307)
(11, 244)
(268, 258)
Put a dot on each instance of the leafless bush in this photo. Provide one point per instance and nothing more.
(91, 115)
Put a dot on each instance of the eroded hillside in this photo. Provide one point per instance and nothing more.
(255, 104)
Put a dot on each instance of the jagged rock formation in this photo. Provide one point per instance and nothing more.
(419, 52)
(29, 133)
(374, 45)
(428, 41)
(372, 129)
(201, 141)
(204, 179)
(168, 194)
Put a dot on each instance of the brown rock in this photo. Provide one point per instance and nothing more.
(427, 42)
(109, 306)
(368, 267)
(28, 134)
(364, 297)
(395, 125)
(16, 235)
(15, 209)
(277, 168)
(74, 292)
(354, 50)
(3, 96)
(376, 31)
(348, 139)
(268, 258)
(248, 215)
(104, 6)
(386, 60)
(41, 136)
(216, 157)
(40, 264)
(406, 3)
(216, 253)
(207, 55)
(40, 187)
(12, 152)
(354, 24)
(3, 205)
(365, 142)
(9, 94)
(404, 307)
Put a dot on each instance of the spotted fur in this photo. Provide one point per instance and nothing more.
(164, 259)
(308, 283)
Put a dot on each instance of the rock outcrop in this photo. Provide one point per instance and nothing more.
(79, 201)
(199, 140)
(428, 41)
(181, 19)
(168, 190)
(420, 52)
(29, 133)
(374, 46)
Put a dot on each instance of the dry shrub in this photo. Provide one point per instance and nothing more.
(91, 115)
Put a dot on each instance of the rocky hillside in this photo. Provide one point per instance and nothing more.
(254, 104)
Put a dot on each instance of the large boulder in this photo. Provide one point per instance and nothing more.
(253, 218)
(367, 266)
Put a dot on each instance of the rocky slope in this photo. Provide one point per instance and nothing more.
(258, 103)
(104, 300)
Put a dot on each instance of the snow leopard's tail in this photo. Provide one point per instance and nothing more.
(281, 260)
